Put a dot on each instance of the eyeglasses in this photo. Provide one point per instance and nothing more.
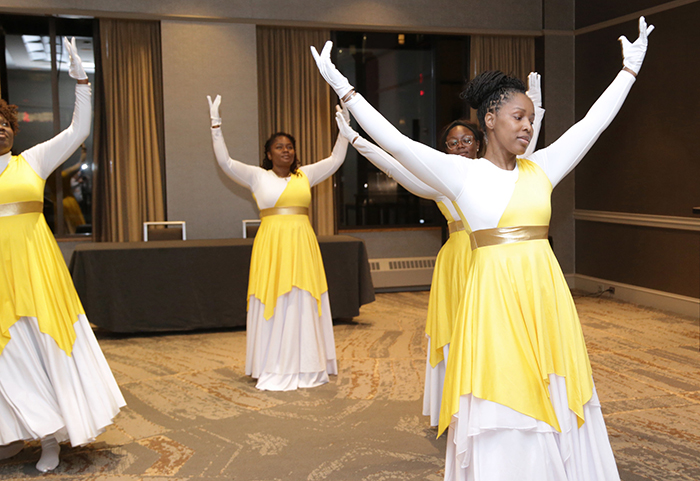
(455, 143)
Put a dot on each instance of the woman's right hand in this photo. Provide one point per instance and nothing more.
(214, 111)
(329, 72)
(633, 53)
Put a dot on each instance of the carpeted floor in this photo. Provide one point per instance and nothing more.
(193, 414)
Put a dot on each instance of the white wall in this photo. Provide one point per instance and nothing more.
(201, 59)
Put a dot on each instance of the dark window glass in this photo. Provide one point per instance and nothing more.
(46, 103)
(397, 74)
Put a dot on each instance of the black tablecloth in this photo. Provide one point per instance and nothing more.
(197, 284)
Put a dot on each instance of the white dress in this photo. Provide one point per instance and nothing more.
(55, 379)
(565, 436)
(289, 330)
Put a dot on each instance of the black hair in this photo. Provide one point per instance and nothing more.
(267, 163)
(488, 90)
(478, 133)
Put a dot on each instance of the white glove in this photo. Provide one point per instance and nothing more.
(343, 110)
(344, 127)
(75, 69)
(534, 91)
(633, 53)
(331, 74)
(214, 110)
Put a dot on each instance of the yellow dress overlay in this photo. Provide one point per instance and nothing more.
(517, 322)
(286, 252)
(35, 281)
(449, 277)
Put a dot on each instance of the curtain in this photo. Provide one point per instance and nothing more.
(512, 55)
(129, 136)
(294, 98)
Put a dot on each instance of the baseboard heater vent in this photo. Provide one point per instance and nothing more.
(402, 272)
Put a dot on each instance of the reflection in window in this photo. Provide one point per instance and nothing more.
(400, 75)
(46, 108)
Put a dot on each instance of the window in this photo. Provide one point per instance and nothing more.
(402, 76)
(35, 78)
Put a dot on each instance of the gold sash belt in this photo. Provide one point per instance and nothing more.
(17, 208)
(455, 226)
(293, 210)
(507, 235)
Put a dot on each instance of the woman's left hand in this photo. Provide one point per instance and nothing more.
(76, 64)
(330, 73)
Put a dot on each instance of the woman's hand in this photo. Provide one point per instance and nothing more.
(344, 125)
(633, 53)
(534, 91)
(331, 74)
(214, 111)
(75, 70)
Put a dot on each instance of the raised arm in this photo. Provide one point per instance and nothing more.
(241, 173)
(385, 162)
(435, 168)
(321, 170)
(45, 157)
(565, 153)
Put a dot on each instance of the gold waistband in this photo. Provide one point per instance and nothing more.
(507, 235)
(293, 210)
(455, 226)
(17, 208)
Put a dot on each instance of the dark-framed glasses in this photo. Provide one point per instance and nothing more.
(454, 144)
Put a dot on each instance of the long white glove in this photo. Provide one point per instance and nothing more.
(214, 111)
(534, 91)
(75, 69)
(633, 53)
(332, 75)
(344, 126)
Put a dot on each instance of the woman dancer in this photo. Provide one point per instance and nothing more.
(289, 330)
(55, 384)
(462, 138)
(519, 397)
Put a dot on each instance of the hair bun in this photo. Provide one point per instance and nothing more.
(482, 86)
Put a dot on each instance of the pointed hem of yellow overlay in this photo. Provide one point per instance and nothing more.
(286, 252)
(36, 283)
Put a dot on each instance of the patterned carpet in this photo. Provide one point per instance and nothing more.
(193, 415)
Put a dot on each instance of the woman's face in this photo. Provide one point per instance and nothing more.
(281, 152)
(512, 123)
(7, 136)
(461, 141)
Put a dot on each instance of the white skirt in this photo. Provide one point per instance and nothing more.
(43, 391)
(488, 441)
(434, 382)
(295, 348)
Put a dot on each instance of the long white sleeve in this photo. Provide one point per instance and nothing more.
(45, 157)
(566, 152)
(440, 171)
(391, 167)
(244, 174)
(321, 170)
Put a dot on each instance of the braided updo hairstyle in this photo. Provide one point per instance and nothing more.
(489, 90)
